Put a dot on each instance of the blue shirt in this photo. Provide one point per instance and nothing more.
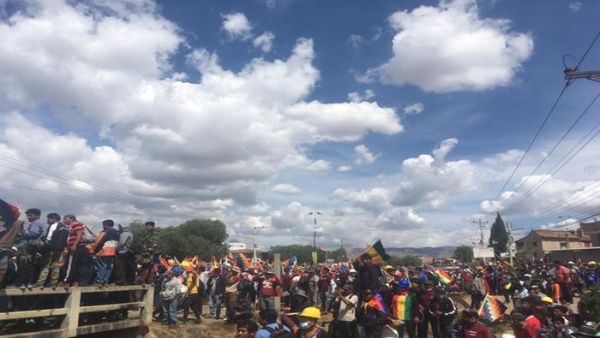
(34, 229)
(262, 333)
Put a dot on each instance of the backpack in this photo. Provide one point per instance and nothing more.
(280, 332)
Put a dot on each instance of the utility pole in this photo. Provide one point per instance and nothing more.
(510, 242)
(481, 223)
(256, 227)
(314, 253)
(314, 214)
(574, 74)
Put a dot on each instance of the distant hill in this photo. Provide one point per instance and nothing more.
(436, 251)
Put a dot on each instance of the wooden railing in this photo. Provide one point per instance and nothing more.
(69, 326)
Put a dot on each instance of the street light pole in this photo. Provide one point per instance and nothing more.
(314, 253)
(256, 227)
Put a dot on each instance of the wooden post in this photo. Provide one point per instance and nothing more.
(148, 305)
(277, 271)
(71, 320)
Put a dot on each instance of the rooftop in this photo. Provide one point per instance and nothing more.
(558, 234)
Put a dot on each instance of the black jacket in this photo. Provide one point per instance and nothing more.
(446, 306)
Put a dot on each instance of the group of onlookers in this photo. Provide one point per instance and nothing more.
(55, 252)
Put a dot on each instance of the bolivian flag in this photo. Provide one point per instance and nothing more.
(377, 253)
(402, 307)
(443, 276)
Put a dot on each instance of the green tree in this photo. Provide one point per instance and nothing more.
(204, 238)
(498, 236)
(464, 253)
(589, 305)
(339, 255)
(407, 260)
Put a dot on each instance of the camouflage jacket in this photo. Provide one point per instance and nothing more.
(150, 244)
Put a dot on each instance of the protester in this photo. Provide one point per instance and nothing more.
(270, 328)
(125, 259)
(149, 250)
(76, 230)
(563, 276)
(10, 227)
(306, 326)
(170, 294)
(442, 312)
(344, 313)
(82, 267)
(473, 327)
(425, 296)
(193, 300)
(371, 318)
(53, 246)
(34, 228)
(215, 290)
(246, 329)
(268, 291)
(105, 249)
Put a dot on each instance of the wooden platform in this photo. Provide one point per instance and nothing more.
(72, 309)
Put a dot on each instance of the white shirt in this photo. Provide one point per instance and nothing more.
(348, 311)
(204, 277)
(51, 231)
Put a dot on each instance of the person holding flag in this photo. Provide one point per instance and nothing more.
(372, 315)
(368, 266)
(473, 328)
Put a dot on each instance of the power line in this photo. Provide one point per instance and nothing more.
(546, 118)
(537, 133)
(583, 113)
(31, 170)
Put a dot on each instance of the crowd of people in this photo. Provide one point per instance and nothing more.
(366, 299)
(363, 298)
(54, 252)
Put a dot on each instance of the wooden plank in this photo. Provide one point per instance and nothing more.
(33, 313)
(72, 318)
(147, 310)
(121, 324)
(38, 334)
(114, 288)
(33, 292)
(111, 307)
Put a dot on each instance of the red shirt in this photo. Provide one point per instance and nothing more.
(476, 331)
(75, 228)
(268, 287)
(563, 274)
(532, 326)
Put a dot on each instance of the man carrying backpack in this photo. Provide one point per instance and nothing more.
(54, 241)
(268, 319)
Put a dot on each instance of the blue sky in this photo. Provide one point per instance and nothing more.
(397, 119)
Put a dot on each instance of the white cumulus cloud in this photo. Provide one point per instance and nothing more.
(575, 6)
(237, 26)
(264, 41)
(364, 155)
(414, 109)
(450, 48)
(358, 97)
(286, 189)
